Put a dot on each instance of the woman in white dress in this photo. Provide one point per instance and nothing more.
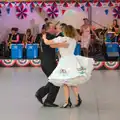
(71, 70)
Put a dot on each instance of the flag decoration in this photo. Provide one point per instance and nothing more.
(116, 12)
(87, 4)
(106, 11)
(77, 4)
(21, 12)
(65, 4)
(83, 4)
(22, 63)
(43, 4)
(1, 4)
(99, 4)
(10, 4)
(40, 9)
(99, 65)
(53, 12)
(110, 4)
(8, 62)
(63, 12)
(35, 63)
(83, 8)
(54, 4)
(111, 65)
(8, 10)
(32, 6)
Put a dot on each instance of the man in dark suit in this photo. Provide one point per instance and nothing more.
(48, 64)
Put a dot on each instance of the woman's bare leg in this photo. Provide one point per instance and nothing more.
(75, 91)
(66, 93)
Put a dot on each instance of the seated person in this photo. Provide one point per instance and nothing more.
(115, 26)
(13, 37)
(28, 38)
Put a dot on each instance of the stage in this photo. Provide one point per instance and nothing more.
(99, 65)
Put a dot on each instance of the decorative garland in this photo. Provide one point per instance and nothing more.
(86, 3)
(53, 12)
(21, 11)
(116, 12)
(35, 63)
(113, 65)
(8, 63)
(22, 63)
(98, 65)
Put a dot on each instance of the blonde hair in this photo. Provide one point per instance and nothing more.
(69, 31)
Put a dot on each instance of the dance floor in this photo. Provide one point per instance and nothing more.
(101, 97)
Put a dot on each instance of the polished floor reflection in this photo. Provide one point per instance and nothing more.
(101, 97)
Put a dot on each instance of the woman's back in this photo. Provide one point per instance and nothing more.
(70, 50)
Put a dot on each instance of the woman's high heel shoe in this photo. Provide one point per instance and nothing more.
(66, 105)
(79, 101)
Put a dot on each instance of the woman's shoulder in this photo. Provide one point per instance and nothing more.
(69, 39)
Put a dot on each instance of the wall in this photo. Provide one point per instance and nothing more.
(99, 16)
(73, 17)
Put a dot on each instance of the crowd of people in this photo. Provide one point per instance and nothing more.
(84, 37)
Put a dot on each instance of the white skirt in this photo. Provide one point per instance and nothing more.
(72, 70)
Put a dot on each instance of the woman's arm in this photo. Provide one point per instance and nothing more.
(60, 45)
(32, 40)
(17, 39)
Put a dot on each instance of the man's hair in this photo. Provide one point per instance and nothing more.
(47, 25)
(63, 24)
(46, 19)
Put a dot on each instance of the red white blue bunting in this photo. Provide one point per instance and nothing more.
(35, 63)
(8, 62)
(22, 63)
(53, 12)
(99, 3)
(111, 65)
(98, 65)
(116, 12)
(21, 11)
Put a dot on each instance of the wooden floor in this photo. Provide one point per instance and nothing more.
(101, 97)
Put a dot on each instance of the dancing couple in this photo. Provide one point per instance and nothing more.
(70, 71)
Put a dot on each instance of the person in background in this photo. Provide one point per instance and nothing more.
(86, 36)
(13, 37)
(78, 36)
(34, 28)
(28, 37)
(43, 27)
(115, 26)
